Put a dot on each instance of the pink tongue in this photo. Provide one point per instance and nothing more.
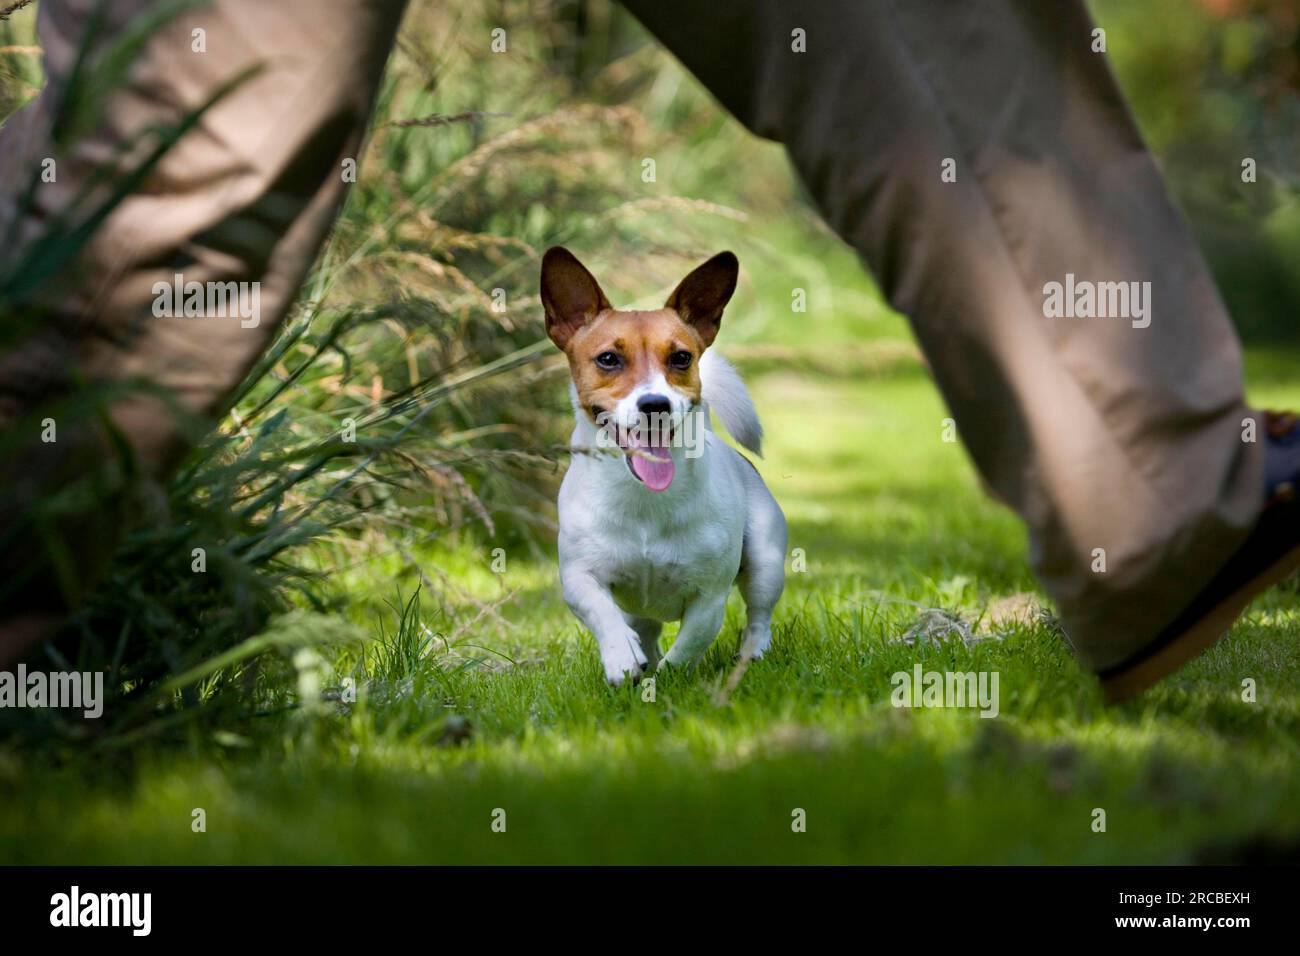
(653, 465)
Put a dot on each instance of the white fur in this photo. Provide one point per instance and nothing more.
(725, 393)
(631, 558)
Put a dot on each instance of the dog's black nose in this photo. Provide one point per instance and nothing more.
(653, 405)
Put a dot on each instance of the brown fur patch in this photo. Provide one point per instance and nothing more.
(581, 321)
(643, 341)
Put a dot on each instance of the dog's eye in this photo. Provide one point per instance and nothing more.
(608, 360)
(680, 360)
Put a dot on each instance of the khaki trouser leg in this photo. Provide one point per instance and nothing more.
(1106, 438)
(246, 196)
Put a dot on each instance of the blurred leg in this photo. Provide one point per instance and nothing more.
(246, 196)
(1109, 439)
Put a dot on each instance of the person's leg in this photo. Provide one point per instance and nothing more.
(974, 153)
(245, 196)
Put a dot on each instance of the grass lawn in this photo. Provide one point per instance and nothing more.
(511, 722)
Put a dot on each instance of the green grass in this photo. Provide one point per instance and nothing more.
(511, 712)
(478, 690)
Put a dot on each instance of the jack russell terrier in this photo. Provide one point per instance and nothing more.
(659, 517)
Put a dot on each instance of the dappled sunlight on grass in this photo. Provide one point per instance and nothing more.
(526, 723)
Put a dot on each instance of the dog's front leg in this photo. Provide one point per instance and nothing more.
(593, 605)
(700, 625)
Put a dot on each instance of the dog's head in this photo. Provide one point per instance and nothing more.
(636, 373)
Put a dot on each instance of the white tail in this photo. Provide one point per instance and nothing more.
(724, 392)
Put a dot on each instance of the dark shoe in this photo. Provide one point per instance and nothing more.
(1270, 555)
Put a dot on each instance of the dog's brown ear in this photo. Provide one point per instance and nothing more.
(700, 298)
(570, 295)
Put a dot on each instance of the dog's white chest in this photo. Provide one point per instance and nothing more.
(657, 576)
(655, 553)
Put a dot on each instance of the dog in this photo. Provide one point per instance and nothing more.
(659, 516)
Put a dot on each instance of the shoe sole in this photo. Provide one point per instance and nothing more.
(1121, 685)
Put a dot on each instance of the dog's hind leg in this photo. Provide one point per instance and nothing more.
(762, 569)
(648, 631)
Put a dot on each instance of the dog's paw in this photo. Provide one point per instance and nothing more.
(623, 658)
(670, 663)
(755, 643)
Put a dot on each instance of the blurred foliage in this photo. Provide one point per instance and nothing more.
(1215, 83)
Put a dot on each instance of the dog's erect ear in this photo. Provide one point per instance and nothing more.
(570, 295)
(700, 298)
